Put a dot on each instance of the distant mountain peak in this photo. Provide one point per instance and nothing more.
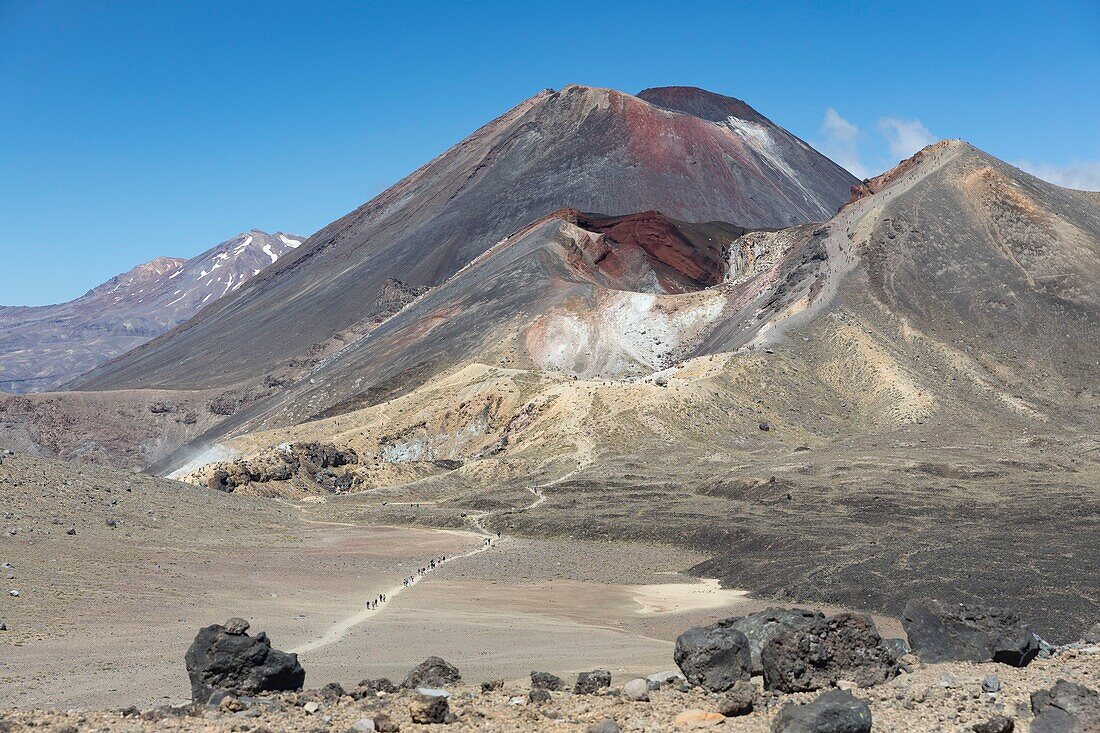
(44, 347)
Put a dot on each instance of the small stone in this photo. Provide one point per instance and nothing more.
(738, 700)
(71, 531)
(3, 626)
(433, 692)
(382, 684)
(112, 523)
(765, 427)
(636, 690)
(332, 692)
(311, 707)
(538, 695)
(991, 683)
(589, 683)
(847, 685)
(996, 724)
(696, 718)
(492, 685)
(14, 593)
(1092, 636)
(230, 704)
(607, 725)
(236, 626)
(429, 709)
(385, 724)
(363, 725)
(658, 679)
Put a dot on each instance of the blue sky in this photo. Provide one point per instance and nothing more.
(130, 130)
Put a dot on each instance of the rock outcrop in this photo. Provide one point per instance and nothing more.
(944, 632)
(761, 627)
(714, 656)
(225, 659)
(819, 654)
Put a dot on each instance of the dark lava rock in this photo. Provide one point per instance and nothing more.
(950, 632)
(996, 724)
(382, 684)
(332, 691)
(492, 685)
(842, 647)
(589, 683)
(738, 700)
(538, 695)
(836, 711)
(546, 681)
(226, 658)
(429, 709)
(1065, 708)
(432, 672)
(714, 656)
(761, 627)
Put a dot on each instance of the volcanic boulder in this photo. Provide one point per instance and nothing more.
(589, 683)
(545, 681)
(842, 647)
(1065, 708)
(432, 672)
(836, 711)
(761, 627)
(714, 656)
(226, 659)
(950, 632)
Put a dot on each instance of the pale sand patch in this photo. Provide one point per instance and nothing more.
(708, 594)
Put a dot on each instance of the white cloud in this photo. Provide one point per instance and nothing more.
(1082, 176)
(904, 137)
(841, 143)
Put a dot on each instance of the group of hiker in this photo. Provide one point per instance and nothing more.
(373, 603)
(432, 565)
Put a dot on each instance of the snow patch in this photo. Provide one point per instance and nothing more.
(292, 243)
(267, 251)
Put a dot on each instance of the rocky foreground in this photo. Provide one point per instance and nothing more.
(787, 671)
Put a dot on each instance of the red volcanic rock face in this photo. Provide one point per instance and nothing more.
(681, 263)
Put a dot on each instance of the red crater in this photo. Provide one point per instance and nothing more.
(685, 257)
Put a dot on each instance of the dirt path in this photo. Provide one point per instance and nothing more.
(341, 628)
